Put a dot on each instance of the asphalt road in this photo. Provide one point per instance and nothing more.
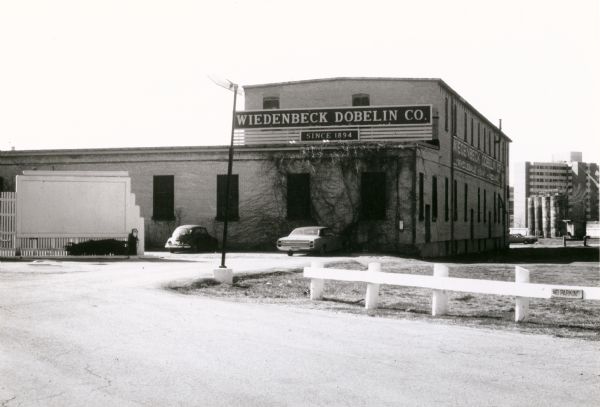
(108, 334)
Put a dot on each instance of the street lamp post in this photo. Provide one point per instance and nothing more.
(222, 273)
(234, 86)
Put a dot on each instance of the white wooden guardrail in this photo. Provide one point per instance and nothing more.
(440, 283)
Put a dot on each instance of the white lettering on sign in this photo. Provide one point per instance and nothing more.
(325, 117)
(340, 135)
(370, 116)
(473, 161)
(413, 114)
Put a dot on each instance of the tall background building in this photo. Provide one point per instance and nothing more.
(572, 182)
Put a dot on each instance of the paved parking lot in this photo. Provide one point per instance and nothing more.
(107, 333)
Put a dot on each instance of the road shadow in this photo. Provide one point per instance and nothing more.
(557, 255)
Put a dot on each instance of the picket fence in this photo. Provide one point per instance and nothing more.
(8, 203)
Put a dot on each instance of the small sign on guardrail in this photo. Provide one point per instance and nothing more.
(566, 293)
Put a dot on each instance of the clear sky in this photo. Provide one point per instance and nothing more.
(78, 74)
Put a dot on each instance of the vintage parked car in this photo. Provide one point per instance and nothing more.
(319, 239)
(519, 238)
(104, 247)
(191, 237)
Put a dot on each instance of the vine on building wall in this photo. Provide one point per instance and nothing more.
(335, 193)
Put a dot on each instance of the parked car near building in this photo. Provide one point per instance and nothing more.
(191, 237)
(319, 239)
(519, 238)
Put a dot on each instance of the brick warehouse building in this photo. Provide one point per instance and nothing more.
(398, 165)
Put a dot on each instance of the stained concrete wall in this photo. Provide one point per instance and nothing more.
(76, 204)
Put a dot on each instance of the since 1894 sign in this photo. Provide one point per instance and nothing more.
(334, 117)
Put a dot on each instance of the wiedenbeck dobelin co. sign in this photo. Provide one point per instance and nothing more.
(338, 117)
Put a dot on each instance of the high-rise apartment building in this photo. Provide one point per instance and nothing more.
(572, 179)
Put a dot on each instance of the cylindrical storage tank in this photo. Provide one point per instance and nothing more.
(546, 215)
(537, 205)
(553, 216)
(530, 216)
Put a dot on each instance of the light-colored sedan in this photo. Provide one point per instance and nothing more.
(319, 239)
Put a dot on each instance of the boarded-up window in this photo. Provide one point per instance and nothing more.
(360, 99)
(434, 199)
(455, 201)
(495, 206)
(271, 102)
(421, 198)
(163, 197)
(466, 203)
(446, 193)
(298, 196)
(478, 205)
(233, 203)
(484, 205)
(372, 194)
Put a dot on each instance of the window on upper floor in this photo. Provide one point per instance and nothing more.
(271, 102)
(361, 99)
(454, 124)
(472, 131)
(446, 114)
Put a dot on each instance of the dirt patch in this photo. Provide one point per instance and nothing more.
(559, 317)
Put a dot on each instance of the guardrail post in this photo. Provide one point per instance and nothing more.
(372, 294)
(522, 303)
(439, 302)
(316, 284)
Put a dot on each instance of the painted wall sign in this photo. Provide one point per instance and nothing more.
(567, 293)
(339, 117)
(333, 135)
(475, 162)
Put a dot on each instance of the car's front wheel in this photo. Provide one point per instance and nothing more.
(290, 253)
